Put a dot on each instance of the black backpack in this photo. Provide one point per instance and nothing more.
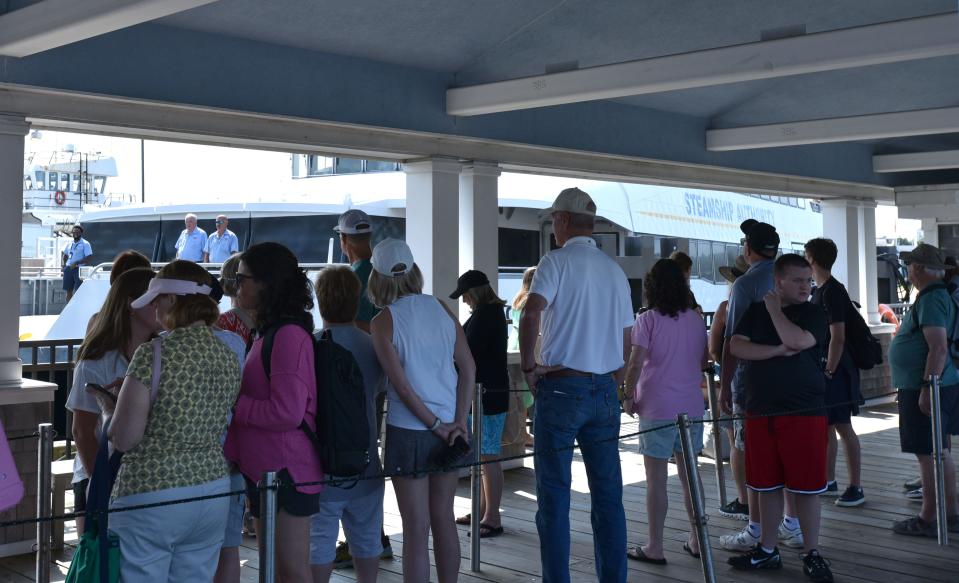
(864, 348)
(342, 437)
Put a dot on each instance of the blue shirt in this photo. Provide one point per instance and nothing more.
(221, 248)
(190, 245)
(78, 251)
(751, 287)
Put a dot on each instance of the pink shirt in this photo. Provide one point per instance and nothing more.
(670, 381)
(265, 435)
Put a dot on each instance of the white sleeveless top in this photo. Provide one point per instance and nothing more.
(424, 336)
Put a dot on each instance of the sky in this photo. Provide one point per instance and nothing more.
(179, 173)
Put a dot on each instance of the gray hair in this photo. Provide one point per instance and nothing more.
(189, 216)
(934, 271)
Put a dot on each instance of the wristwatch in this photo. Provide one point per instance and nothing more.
(436, 424)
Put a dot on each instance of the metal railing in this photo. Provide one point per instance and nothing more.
(53, 361)
(98, 270)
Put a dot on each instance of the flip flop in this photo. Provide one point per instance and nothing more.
(464, 520)
(689, 550)
(637, 554)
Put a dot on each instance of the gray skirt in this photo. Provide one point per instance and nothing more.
(411, 452)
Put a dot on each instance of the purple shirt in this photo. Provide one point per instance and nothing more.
(670, 381)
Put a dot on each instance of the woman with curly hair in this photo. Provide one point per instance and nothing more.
(662, 380)
(265, 433)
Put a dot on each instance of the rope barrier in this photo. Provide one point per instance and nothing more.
(435, 470)
(28, 436)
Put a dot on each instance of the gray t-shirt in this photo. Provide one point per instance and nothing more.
(104, 371)
(359, 343)
(750, 288)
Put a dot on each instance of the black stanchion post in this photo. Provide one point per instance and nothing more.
(717, 432)
(44, 501)
(942, 526)
(476, 476)
(266, 535)
(697, 498)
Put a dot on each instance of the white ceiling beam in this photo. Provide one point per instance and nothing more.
(105, 115)
(916, 162)
(904, 40)
(54, 23)
(839, 129)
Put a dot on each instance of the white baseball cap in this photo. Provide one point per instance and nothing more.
(389, 254)
(572, 200)
(180, 287)
(354, 222)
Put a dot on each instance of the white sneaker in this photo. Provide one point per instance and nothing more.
(741, 541)
(790, 538)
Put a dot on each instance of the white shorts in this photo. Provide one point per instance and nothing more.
(362, 522)
(233, 536)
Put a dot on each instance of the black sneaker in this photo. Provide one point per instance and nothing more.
(853, 496)
(832, 490)
(735, 509)
(815, 567)
(757, 559)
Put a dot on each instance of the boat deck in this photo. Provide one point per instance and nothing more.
(857, 541)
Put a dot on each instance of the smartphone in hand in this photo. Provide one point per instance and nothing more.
(96, 389)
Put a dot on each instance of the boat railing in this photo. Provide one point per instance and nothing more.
(102, 270)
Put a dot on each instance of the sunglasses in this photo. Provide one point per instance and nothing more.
(219, 222)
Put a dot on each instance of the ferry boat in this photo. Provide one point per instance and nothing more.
(637, 223)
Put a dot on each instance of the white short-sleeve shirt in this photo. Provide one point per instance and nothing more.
(104, 371)
(588, 307)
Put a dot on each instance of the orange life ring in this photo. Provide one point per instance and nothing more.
(887, 315)
(60, 197)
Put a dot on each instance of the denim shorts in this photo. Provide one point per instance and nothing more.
(663, 442)
(492, 433)
(412, 452)
(362, 520)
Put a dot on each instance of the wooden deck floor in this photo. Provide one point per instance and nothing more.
(857, 541)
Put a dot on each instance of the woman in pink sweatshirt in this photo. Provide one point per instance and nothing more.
(264, 434)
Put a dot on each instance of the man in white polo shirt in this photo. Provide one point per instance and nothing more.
(583, 300)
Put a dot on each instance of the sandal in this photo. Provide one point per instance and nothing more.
(464, 520)
(490, 531)
(637, 554)
(915, 526)
(689, 550)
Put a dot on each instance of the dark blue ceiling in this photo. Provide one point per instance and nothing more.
(388, 63)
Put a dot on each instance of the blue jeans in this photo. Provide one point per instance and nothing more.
(584, 409)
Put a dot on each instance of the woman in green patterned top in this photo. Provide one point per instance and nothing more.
(172, 444)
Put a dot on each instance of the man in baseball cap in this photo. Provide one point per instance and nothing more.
(355, 229)
(574, 201)
(761, 237)
(919, 351)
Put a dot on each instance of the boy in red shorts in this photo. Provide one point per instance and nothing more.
(783, 337)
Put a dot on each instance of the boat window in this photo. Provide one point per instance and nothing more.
(27, 182)
(667, 246)
(64, 182)
(702, 259)
(719, 259)
(732, 252)
(381, 166)
(76, 183)
(348, 166)
(52, 180)
(41, 179)
(99, 182)
(320, 165)
(693, 254)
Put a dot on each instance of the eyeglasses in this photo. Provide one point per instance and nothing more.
(241, 277)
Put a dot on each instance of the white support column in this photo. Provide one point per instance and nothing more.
(930, 232)
(841, 222)
(432, 223)
(479, 222)
(13, 128)
(870, 282)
